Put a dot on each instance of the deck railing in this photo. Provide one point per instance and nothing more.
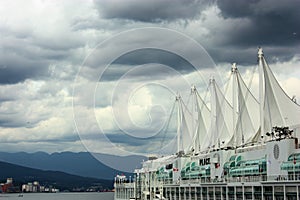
(292, 176)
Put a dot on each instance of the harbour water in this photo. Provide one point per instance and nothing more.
(59, 196)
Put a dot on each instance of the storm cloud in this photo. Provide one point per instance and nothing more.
(266, 22)
(151, 11)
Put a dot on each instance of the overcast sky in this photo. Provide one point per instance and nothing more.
(71, 70)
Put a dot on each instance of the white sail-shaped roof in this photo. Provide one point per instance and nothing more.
(202, 122)
(185, 130)
(247, 109)
(279, 109)
(221, 117)
(248, 121)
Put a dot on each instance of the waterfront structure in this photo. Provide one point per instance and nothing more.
(8, 186)
(36, 187)
(238, 148)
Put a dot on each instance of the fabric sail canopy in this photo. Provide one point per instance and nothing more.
(279, 109)
(221, 118)
(246, 106)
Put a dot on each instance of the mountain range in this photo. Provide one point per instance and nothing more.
(61, 180)
(80, 164)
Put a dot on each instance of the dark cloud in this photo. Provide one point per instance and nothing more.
(124, 139)
(151, 11)
(21, 61)
(266, 22)
(27, 55)
(17, 71)
(147, 56)
(17, 60)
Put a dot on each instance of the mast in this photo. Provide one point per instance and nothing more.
(261, 92)
(233, 71)
(178, 122)
(194, 107)
(214, 128)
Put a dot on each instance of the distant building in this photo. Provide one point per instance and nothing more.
(42, 188)
(8, 186)
(36, 187)
(31, 187)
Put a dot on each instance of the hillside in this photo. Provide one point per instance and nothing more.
(61, 180)
(81, 164)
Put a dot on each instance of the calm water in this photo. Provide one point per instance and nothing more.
(60, 196)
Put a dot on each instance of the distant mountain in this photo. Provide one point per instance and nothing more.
(57, 179)
(81, 164)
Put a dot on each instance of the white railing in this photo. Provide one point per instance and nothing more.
(169, 181)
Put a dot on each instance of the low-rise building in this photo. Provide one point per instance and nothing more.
(36, 187)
